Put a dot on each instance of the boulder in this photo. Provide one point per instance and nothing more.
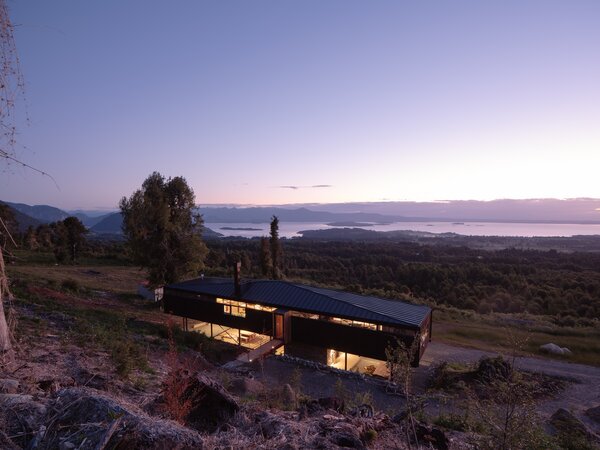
(20, 414)
(594, 414)
(270, 424)
(339, 432)
(432, 437)
(8, 386)
(105, 422)
(493, 369)
(210, 405)
(565, 423)
(346, 439)
(334, 403)
(554, 349)
(245, 386)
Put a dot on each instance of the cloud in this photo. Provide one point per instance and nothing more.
(314, 186)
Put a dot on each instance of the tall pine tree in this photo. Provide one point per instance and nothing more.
(276, 250)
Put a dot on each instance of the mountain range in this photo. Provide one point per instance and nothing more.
(581, 210)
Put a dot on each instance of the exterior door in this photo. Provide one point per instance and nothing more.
(278, 326)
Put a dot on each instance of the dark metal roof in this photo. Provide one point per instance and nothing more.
(300, 297)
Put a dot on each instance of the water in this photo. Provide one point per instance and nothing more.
(291, 229)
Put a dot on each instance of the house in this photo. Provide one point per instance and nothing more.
(336, 328)
(148, 293)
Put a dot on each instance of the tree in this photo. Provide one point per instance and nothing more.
(398, 362)
(75, 235)
(276, 250)
(265, 257)
(11, 84)
(163, 232)
(67, 237)
(7, 228)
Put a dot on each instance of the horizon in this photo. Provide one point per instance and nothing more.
(317, 204)
(581, 210)
(308, 103)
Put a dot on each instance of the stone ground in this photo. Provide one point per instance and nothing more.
(581, 393)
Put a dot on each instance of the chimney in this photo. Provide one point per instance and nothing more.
(237, 267)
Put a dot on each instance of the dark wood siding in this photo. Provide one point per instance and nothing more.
(206, 309)
(359, 341)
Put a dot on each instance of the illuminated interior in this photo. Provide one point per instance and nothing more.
(356, 323)
(356, 363)
(235, 336)
(235, 308)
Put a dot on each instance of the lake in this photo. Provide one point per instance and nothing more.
(291, 229)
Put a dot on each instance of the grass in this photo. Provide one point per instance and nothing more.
(497, 333)
(491, 332)
(117, 279)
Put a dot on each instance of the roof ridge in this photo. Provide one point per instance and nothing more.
(310, 288)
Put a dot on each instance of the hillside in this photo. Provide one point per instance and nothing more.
(42, 213)
(23, 220)
(103, 372)
(109, 224)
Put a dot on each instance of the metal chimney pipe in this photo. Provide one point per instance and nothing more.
(237, 267)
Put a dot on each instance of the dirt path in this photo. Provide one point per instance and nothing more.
(582, 391)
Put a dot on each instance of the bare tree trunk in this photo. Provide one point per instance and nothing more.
(5, 344)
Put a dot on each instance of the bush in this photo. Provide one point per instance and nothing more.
(369, 435)
(70, 285)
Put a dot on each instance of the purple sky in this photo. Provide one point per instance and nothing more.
(260, 101)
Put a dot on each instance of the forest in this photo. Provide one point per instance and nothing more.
(564, 285)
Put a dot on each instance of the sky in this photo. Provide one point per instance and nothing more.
(271, 102)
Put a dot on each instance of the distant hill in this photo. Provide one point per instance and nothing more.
(42, 213)
(87, 220)
(23, 220)
(109, 224)
(264, 214)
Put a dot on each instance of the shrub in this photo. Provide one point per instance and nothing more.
(369, 435)
(70, 285)
(175, 384)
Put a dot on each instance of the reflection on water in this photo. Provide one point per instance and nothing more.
(291, 229)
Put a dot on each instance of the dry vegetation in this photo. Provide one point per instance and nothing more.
(98, 367)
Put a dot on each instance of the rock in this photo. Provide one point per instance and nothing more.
(8, 386)
(332, 417)
(210, 404)
(594, 414)
(78, 413)
(400, 417)
(6, 443)
(20, 414)
(270, 424)
(345, 439)
(363, 410)
(493, 369)
(566, 424)
(50, 385)
(66, 445)
(334, 403)
(432, 436)
(554, 349)
(245, 386)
